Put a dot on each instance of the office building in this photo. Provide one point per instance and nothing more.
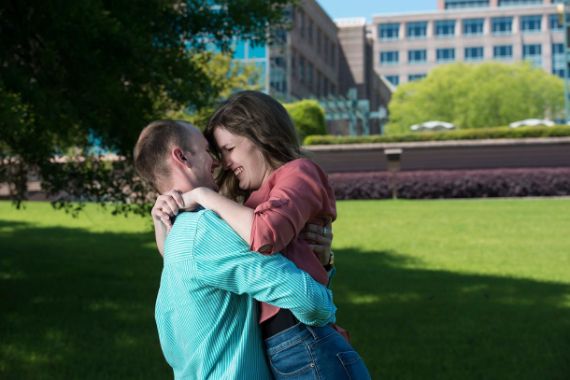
(408, 46)
(316, 58)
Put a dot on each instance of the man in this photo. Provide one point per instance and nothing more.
(205, 310)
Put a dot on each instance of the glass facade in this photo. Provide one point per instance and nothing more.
(515, 3)
(473, 53)
(389, 57)
(533, 54)
(389, 31)
(256, 51)
(456, 4)
(502, 25)
(445, 55)
(416, 29)
(417, 56)
(503, 52)
(473, 26)
(445, 28)
(531, 24)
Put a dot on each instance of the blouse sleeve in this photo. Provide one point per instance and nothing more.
(300, 193)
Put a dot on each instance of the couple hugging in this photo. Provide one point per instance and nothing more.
(243, 291)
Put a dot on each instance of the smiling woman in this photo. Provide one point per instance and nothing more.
(243, 158)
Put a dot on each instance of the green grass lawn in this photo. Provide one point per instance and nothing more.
(462, 289)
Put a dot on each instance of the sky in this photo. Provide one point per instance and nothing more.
(368, 8)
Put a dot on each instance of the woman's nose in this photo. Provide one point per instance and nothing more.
(226, 161)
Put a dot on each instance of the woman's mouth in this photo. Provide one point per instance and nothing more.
(238, 171)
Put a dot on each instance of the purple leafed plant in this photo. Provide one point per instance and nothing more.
(453, 184)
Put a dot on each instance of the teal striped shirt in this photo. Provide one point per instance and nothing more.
(205, 310)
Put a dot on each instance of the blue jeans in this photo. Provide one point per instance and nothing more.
(305, 352)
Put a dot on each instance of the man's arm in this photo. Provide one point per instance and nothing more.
(223, 260)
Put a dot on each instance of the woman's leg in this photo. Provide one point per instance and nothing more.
(304, 352)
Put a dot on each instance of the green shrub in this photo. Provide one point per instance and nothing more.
(308, 117)
(465, 134)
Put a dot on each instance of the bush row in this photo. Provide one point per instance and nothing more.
(453, 184)
(463, 134)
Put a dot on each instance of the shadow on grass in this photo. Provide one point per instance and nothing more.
(410, 323)
(76, 304)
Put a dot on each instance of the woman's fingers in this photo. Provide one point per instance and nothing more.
(323, 253)
(176, 196)
(316, 237)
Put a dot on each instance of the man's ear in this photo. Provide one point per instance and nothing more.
(180, 157)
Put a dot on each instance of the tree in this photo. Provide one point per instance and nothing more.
(308, 117)
(475, 96)
(225, 77)
(73, 69)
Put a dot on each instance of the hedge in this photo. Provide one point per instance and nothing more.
(453, 184)
(463, 134)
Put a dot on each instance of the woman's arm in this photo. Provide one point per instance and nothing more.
(166, 206)
(239, 217)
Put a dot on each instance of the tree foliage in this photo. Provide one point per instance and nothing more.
(225, 77)
(308, 117)
(477, 96)
(73, 69)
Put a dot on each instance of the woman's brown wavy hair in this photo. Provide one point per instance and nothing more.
(261, 119)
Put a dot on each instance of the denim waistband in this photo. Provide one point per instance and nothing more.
(294, 334)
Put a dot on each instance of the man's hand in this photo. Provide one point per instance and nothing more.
(320, 240)
(167, 206)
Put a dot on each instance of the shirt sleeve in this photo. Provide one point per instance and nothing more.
(223, 260)
(299, 194)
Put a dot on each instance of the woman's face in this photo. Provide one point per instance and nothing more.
(243, 158)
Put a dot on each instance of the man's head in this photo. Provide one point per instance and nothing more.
(172, 154)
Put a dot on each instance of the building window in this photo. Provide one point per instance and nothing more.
(558, 72)
(445, 28)
(554, 22)
(474, 53)
(557, 49)
(394, 79)
(502, 25)
(417, 56)
(558, 61)
(533, 54)
(416, 29)
(514, 3)
(445, 55)
(473, 26)
(415, 77)
(455, 4)
(309, 75)
(531, 24)
(503, 52)
(389, 57)
(389, 32)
